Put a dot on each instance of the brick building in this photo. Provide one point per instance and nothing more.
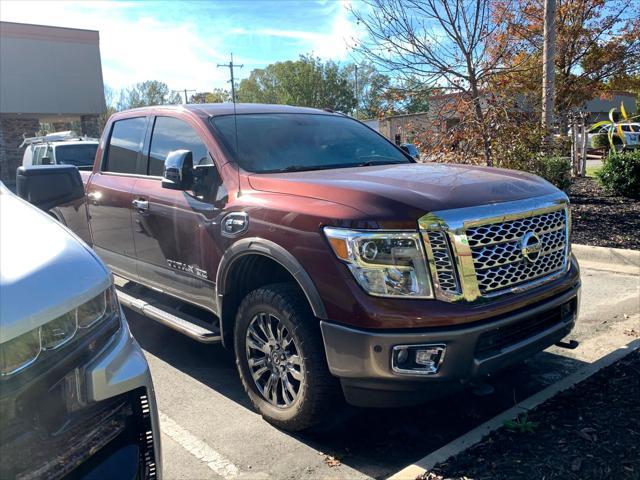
(441, 115)
(48, 75)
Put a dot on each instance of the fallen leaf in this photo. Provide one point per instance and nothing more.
(332, 461)
(588, 434)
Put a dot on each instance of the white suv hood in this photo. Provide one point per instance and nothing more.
(45, 270)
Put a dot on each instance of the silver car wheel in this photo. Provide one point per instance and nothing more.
(274, 360)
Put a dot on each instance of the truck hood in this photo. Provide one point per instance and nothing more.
(46, 270)
(393, 194)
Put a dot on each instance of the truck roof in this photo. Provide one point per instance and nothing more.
(215, 109)
(46, 270)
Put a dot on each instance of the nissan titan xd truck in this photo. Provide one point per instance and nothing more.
(330, 261)
(76, 397)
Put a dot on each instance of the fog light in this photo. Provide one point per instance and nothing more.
(417, 359)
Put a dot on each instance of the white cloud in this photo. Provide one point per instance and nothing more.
(337, 43)
(334, 44)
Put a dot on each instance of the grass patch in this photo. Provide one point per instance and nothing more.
(591, 171)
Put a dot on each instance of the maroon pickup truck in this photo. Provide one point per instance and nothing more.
(330, 261)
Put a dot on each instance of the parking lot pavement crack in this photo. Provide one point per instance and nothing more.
(196, 447)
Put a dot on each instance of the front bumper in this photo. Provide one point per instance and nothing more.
(84, 418)
(362, 358)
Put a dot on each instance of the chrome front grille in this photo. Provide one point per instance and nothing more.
(485, 251)
(442, 263)
(497, 251)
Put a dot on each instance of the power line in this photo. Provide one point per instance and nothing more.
(231, 66)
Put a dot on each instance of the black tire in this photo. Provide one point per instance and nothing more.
(318, 389)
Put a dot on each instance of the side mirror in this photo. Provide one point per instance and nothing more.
(178, 170)
(49, 186)
(405, 149)
(46, 161)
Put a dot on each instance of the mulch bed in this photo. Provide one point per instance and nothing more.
(601, 219)
(590, 431)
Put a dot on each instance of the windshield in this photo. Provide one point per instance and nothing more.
(280, 142)
(81, 155)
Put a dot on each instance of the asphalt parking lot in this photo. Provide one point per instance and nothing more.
(210, 431)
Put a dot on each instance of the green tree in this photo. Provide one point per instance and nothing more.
(151, 92)
(110, 101)
(306, 82)
(370, 89)
(219, 95)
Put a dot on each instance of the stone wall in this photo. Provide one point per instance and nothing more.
(11, 134)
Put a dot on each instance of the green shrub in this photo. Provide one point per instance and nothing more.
(562, 145)
(556, 170)
(602, 141)
(520, 149)
(620, 173)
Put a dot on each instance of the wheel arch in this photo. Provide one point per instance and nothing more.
(239, 251)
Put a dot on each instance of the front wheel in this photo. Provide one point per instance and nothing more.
(280, 358)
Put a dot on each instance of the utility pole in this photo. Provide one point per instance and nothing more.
(230, 65)
(186, 98)
(548, 68)
(185, 90)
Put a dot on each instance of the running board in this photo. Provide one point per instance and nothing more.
(182, 322)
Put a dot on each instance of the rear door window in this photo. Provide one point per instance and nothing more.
(125, 145)
(174, 134)
(80, 155)
(38, 154)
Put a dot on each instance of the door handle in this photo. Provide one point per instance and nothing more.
(94, 197)
(142, 205)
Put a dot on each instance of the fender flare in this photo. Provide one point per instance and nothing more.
(269, 249)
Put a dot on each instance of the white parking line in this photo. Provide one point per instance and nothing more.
(196, 447)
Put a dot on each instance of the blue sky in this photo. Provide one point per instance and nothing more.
(180, 42)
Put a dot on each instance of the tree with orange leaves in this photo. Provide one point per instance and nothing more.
(597, 43)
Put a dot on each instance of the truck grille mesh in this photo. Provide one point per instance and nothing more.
(497, 252)
(444, 269)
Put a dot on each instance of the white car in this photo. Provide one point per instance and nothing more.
(62, 148)
(631, 133)
(76, 397)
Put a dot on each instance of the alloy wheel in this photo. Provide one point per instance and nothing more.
(274, 360)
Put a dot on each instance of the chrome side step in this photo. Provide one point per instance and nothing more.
(167, 315)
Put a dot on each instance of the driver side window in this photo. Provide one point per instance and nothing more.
(174, 134)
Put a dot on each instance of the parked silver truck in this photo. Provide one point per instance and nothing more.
(76, 397)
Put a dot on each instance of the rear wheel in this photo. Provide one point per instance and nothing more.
(280, 358)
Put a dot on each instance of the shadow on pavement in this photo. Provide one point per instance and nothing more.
(376, 442)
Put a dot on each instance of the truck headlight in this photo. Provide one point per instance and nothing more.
(20, 352)
(386, 264)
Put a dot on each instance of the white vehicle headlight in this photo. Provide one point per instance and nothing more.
(20, 352)
(386, 264)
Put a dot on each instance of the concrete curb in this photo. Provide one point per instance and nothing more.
(477, 434)
(610, 259)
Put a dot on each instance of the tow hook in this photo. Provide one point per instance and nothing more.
(570, 345)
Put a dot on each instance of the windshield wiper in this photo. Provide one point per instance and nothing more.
(369, 163)
(305, 168)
